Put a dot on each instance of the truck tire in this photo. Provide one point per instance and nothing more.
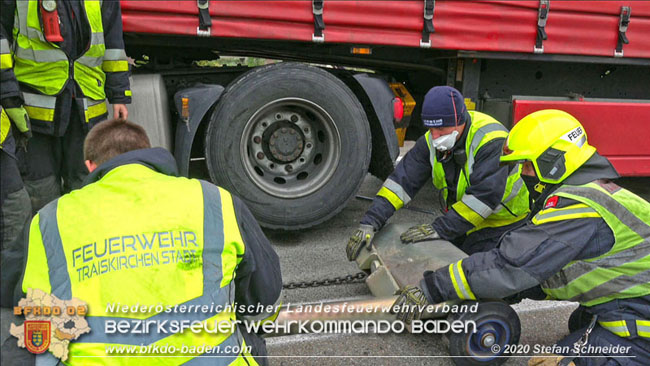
(292, 141)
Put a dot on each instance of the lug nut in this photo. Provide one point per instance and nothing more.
(257, 139)
(278, 116)
(309, 146)
(294, 118)
(306, 129)
(288, 168)
(260, 155)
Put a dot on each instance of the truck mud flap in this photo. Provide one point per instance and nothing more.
(199, 99)
(381, 97)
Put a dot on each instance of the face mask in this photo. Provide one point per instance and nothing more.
(535, 187)
(445, 142)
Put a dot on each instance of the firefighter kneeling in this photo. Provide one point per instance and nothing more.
(134, 190)
(587, 240)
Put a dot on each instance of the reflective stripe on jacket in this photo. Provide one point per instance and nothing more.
(623, 271)
(146, 238)
(46, 68)
(5, 126)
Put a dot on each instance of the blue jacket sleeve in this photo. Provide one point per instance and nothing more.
(409, 176)
(258, 279)
(9, 91)
(525, 258)
(117, 88)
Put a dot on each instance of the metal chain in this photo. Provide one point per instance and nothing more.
(343, 280)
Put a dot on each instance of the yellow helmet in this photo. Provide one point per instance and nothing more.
(553, 140)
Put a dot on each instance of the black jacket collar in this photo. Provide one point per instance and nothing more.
(597, 167)
(155, 158)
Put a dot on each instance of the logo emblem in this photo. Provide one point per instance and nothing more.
(552, 202)
(37, 335)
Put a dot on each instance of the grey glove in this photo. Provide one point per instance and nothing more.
(409, 304)
(419, 233)
(362, 237)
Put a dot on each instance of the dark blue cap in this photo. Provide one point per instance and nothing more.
(443, 106)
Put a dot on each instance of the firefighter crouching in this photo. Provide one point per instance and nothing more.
(587, 240)
(460, 152)
(68, 57)
(133, 190)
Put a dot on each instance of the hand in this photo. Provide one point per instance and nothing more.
(419, 233)
(120, 111)
(409, 304)
(362, 237)
(547, 359)
(20, 119)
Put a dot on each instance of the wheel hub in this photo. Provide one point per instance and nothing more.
(290, 147)
(488, 340)
(286, 144)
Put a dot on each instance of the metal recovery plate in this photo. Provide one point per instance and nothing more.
(393, 265)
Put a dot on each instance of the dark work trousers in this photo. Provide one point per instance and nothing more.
(258, 345)
(15, 213)
(639, 348)
(54, 165)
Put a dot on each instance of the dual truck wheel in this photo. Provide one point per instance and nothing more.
(292, 140)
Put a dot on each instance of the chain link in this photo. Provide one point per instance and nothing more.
(343, 280)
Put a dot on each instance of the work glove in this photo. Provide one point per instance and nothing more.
(409, 304)
(20, 119)
(419, 233)
(362, 237)
(548, 359)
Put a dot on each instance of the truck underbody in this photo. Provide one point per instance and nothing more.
(294, 139)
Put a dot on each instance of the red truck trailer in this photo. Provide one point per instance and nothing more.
(295, 138)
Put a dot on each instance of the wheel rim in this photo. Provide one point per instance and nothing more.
(290, 147)
(488, 334)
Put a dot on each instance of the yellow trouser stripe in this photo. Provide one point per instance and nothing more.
(460, 282)
(42, 114)
(6, 61)
(618, 327)
(391, 197)
(96, 110)
(115, 66)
